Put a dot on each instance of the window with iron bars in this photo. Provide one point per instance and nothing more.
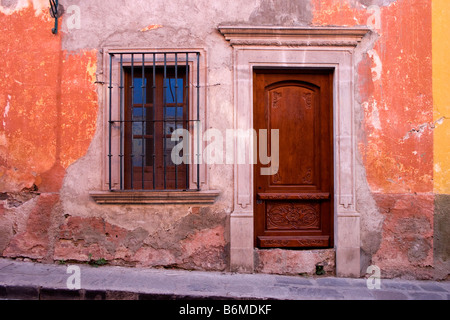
(150, 95)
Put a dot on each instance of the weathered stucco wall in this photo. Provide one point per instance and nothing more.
(51, 133)
(395, 134)
(49, 109)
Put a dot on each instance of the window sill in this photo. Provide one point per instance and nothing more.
(155, 197)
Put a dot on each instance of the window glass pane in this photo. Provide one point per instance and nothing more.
(139, 114)
(174, 90)
(168, 152)
(169, 147)
(137, 152)
(150, 123)
(172, 112)
(169, 128)
(137, 128)
(138, 97)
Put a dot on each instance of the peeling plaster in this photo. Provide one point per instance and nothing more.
(151, 27)
(378, 67)
(49, 106)
(420, 129)
(282, 12)
(10, 7)
(380, 3)
(441, 240)
(373, 114)
(5, 114)
(374, 21)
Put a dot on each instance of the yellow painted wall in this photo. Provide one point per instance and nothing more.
(441, 95)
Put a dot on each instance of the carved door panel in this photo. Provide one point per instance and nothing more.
(294, 205)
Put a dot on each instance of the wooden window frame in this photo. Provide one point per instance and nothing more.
(116, 196)
(163, 182)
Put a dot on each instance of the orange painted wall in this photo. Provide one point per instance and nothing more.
(398, 107)
(48, 103)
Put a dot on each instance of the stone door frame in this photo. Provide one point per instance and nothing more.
(298, 47)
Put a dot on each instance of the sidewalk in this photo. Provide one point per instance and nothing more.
(28, 280)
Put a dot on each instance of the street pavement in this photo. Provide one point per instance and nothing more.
(21, 280)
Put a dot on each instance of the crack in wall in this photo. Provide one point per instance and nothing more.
(420, 129)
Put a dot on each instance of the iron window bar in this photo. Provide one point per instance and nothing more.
(148, 66)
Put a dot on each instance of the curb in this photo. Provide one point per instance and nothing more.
(44, 293)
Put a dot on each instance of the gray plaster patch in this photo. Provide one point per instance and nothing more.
(11, 4)
(371, 217)
(282, 12)
(418, 251)
(171, 237)
(380, 3)
(119, 24)
(6, 234)
(441, 239)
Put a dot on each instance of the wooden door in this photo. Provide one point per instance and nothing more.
(294, 207)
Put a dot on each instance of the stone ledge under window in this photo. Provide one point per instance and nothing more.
(155, 197)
